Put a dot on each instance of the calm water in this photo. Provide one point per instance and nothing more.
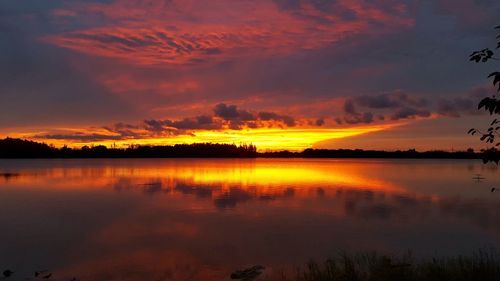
(194, 219)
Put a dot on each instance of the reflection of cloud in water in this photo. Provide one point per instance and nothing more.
(144, 265)
(360, 204)
(229, 199)
(223, 197)
(199, 191)
(182, 219)
(406, 208)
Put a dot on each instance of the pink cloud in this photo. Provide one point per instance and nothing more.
(184, 32)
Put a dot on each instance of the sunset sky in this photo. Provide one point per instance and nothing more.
(281, 74)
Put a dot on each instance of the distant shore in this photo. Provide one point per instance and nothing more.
(11, 148)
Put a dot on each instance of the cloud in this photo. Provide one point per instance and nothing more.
(77, 64)
(352, 116)
(320, 122)
(400, 105)
(390, 100)
(225, 117)
(238, 118)
(226, 112)
(271, 116)
(188, 31)
(80, 136)
(409, 112)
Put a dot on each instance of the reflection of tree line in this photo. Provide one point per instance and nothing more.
(359, 204)
(8, 176)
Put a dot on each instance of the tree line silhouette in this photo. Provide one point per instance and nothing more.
(20, 148)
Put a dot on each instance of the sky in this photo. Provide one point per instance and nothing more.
(281, 74)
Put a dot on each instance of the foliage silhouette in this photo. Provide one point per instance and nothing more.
(482, 265)
(489, 104)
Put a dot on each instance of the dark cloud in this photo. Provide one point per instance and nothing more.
(237, 118)
(399, 105)
(266, 116)
(456, 107)
(365, 117)
(349, 107)
(91, 137)
(246, 116)
(154, 125)
(390, 100)
(124, 130)
(204, 119)
(226, 112)
(225, 116)
(198, 122)
(447, 108)
(354, 117)
(271, 116)
(409, 112)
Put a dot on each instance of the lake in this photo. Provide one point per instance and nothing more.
(201, 219)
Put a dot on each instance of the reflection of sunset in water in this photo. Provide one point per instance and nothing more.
(193, 219)
(261, 174)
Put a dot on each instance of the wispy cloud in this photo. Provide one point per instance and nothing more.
(154, 31)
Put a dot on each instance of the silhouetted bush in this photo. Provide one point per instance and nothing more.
(482, 265)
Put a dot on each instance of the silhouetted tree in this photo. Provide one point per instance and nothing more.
(490, 104)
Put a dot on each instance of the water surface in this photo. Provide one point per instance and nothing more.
(200, 219)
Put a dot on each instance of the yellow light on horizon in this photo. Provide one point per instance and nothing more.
(266, 139)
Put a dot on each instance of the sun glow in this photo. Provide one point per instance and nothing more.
(266, 139)
(261, 176)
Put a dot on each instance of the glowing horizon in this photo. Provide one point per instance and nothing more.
(265, 139)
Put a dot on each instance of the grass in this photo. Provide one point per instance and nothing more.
(482, 265)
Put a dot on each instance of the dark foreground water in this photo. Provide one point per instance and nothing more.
(200, 219)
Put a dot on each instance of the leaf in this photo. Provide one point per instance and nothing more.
(497, 80)
(493, 74)
(483, 103)
(483, 137)
(493, 122)
(471, 131)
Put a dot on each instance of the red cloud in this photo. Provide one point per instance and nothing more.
(188, 31)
